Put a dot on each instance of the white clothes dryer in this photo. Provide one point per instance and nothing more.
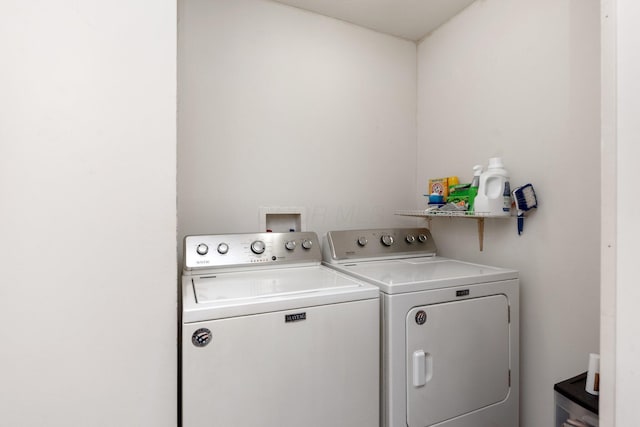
(449, 341)
(271, 338)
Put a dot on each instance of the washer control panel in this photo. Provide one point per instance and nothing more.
(228, 250)
(346, 245)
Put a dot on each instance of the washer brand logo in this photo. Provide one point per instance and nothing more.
(421, 317)
(201, 337)
(295, 317)
(462, 293)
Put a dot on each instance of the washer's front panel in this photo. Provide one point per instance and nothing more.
(457, 358)
(312, 367)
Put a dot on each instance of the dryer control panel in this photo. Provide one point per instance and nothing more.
(207, 252)
(349, 245)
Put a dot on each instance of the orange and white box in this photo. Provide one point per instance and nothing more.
(439, 186)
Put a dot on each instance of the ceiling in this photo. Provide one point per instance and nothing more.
(409, 19)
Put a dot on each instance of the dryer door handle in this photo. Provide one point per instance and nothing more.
(422, 368)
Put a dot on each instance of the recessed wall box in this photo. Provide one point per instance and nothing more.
(282, 219)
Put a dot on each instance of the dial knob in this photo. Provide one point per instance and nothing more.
(410, 238)
(362, 241)
(258, 247)
(223, 248)
(306, 243)
(422, 238)
(387, 240)
(202, 249)
(290, 245)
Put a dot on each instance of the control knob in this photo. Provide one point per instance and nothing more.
(307, 244)
(387, 240)
(362, 241)
(290, 245)
(422, 238)
(410, 238)
(258, 247)
(223, 248)
(202, 249)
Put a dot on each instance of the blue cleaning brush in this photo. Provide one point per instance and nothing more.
(525, 198)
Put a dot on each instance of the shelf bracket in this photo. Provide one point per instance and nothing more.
(481, 233)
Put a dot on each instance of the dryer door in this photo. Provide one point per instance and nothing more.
(457, 358)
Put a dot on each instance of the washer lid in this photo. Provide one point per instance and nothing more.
(417, 274)
(260, 291)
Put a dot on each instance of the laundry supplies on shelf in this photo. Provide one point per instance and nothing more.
(494, 193)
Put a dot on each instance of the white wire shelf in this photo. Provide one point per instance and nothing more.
(457, 214)
(478, 216)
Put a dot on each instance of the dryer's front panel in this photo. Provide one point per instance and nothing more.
(457, 358)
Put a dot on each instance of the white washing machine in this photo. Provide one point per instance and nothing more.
(271, 338)
(449, 342)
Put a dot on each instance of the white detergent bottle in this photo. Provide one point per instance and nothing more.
(491, 191)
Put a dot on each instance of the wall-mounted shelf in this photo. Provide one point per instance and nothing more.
(453, 214)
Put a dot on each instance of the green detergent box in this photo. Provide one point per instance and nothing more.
(461, 195)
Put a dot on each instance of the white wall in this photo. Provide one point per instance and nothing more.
(620, 291)
(628, 229)
(520, 80)
(88, 222)
(281, 107)
(608, 244)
